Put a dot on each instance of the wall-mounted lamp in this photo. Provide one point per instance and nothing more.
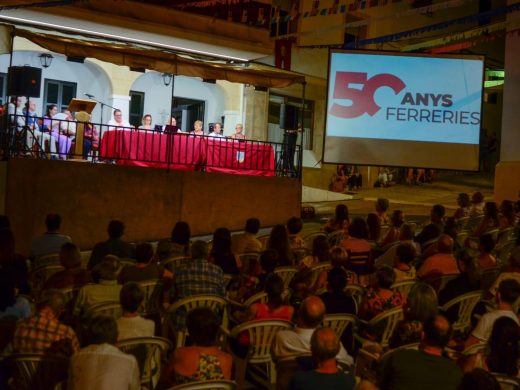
(46, 59)
(167, 78)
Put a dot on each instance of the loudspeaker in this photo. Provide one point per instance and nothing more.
(288, 117)
(24, 81)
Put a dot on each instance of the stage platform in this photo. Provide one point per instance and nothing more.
(149, 201)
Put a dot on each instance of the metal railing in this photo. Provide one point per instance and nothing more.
(46, 138)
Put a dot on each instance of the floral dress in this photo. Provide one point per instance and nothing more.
(209, 369)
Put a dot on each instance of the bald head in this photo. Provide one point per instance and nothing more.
(445, 244)
(437, 331)
(324, 344)
(311, 312)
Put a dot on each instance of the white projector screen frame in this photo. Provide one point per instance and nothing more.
(406, 110)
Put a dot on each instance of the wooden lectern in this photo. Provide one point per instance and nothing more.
(83, 109)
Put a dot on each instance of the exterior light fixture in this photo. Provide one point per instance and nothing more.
(46, 59)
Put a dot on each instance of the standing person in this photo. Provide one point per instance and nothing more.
(197, 128)
(101, 365)
(146, 123)
(118, 123)
(290, 137)
(217, 131)
(238, 134)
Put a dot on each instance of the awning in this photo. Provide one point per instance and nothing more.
(141, 56)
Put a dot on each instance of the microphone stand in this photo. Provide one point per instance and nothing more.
(103, 104)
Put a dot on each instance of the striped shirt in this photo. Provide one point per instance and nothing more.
(44, 333)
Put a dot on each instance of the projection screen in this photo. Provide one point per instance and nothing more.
(393, 109)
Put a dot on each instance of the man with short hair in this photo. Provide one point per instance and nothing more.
(506, 296)
(131, 324)
(435, 228)
(425, 368)
(406, 236)
(324, 347)
(247, 242)
(298, 340)
(217, 131)
(51, 241)
(441, 263)
(113, 246)
(118, 123)
(101, 365)
(44, 333)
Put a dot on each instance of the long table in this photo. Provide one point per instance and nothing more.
(181, 151)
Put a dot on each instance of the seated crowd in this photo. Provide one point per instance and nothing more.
(373, 305)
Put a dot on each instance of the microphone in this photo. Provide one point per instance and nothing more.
(89, 95)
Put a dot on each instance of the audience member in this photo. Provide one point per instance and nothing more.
(338, 259)
(490, 220)
(358, 237)
(381, 297)
(478, 379)
(477, 204)
(202, 361)
(511, 271)
(441, 263)
(406, 236)
(403, 268)
(374, 228)
(425, 368)
(101, 365)
(396, 221)
(320, 253)
(51, 241)
(502, 354)
(294, 228)
(324, 347)
(507, 294)
(12, 263)
(247, 242)
(336, 300)
(180, 239)
(268, 263)
(382, 205)
(296, 341)
(12, 305)
(113, 246)
(107, 290)
(464, 206)
(507, 217)
(436, 226)
(485, 247)
(279, 241)
(73, 275)
(340, 221)
(43, 333)
(131, 324)
(421, 303)
(198, 276)
(221, 254)
(274, 308)
(144, 269)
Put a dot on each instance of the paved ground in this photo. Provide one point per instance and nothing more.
(415, 201)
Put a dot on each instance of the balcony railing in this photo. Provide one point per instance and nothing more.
(45, 138)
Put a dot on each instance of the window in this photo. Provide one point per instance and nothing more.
(136, 108)
(276, 102)
(187, 111)
(3, 88)
(59, 93)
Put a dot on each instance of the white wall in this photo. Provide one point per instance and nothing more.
(157, 97)
(89, 77)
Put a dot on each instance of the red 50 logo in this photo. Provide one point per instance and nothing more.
(362, 99)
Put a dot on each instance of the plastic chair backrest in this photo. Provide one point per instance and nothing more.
(466, 303)
(286, 273)
(112, 309)
(391, 318)
(339, 322)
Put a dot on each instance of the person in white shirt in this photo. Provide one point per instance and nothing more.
(297, 341)
(506, 296)
(131, 324)
(217, 131)
(101, 365)
(118, 123)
